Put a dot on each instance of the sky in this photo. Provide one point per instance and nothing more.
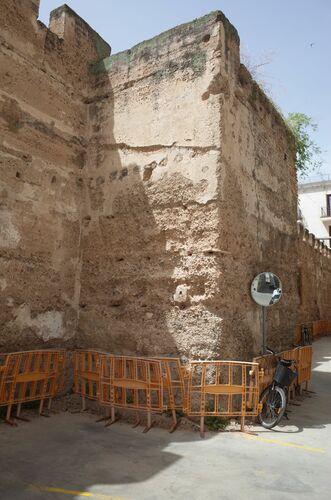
(292, 36)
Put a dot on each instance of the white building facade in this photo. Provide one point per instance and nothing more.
(315, 208)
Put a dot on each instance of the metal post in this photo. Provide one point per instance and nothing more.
(264, 330)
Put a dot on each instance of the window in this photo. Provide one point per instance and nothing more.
(328, 204)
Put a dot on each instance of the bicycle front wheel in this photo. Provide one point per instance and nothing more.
(273, 401)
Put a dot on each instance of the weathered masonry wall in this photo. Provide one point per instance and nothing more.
(141, 193)
(314, 278)
(258, 200)
(191, 190)
(150, 237)
(43, 83)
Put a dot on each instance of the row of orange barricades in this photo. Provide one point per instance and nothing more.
(150, 385)
(30, 376)
(321, 327)
(307, 332)
(200, 389)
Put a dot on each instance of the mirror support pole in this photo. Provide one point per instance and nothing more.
(264, 330)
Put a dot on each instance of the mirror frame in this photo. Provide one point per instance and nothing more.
(272, 298)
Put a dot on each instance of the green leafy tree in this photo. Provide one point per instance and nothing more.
(308, 153)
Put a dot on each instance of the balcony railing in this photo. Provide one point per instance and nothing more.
(325, 212)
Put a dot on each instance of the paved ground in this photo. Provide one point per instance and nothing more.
(70, 456)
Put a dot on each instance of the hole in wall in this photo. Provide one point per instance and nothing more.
(124, 173)
(147, 173)
(18, 175)
(206, 38)
(53, 179)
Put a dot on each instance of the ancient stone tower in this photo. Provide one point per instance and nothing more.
(140, 192)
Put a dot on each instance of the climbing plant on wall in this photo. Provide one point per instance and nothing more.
(307, 151)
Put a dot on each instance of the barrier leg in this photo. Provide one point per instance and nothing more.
(289, 395)
(149, 422)
(175, 422)
(307, 390)
(7, 419)
(41, 407)
(49, 404)
(83, 403)
(137, 422)
(18, 414)
(113, 417)
(242, 424)
(202, 427)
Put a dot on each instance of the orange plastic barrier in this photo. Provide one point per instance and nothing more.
(321, 327)
(133, 384)
(306, 332)
(30, 376)
(267, 365)
(304, 365)
(302, 356)
(223, 388)
(87, 373)
(174, 394)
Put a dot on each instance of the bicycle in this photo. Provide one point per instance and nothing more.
(274, 397)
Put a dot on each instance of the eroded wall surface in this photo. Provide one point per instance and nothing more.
(142, 192)
(190, 192)
(258, 199)
(43, 82)
(314, 278)
(151, 225)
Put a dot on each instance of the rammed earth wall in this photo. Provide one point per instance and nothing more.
(44, 85)
(314, 278)
(140, 192)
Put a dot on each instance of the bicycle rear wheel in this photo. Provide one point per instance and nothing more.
(273, 401)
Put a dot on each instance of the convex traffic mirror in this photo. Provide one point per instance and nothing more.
(266, 289)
